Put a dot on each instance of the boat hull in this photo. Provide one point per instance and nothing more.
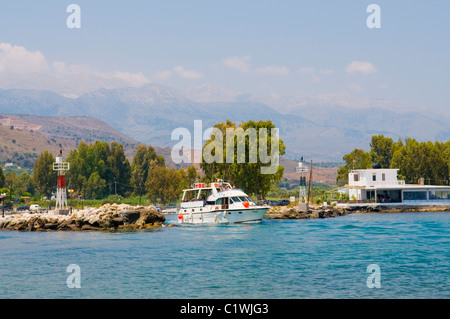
(222, 216)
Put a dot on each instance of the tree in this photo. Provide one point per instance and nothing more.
(426, 160)
(184, 181)
(119, 167)
(95, 186)
(191, 175)
(86, 160)
(78, 169)
(144, 159)
(19, 183)
(163, 184)
(44, 177)
(110, 164)
(356, 159)
(381, 150)
(246, 156)
(413, 159)
(2, 178)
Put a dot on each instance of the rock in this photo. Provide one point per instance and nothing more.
(89, 227)
(290, 212)
(51, 226)
(151, 216)
(106, 217)
(130, 217)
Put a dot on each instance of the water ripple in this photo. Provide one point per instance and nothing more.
(321, 258)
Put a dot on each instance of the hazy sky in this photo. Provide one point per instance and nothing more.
(259, 47)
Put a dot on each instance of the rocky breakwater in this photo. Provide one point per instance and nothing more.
(107, 217)
(290, 212)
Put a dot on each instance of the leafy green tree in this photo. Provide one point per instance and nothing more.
(426, 160)
(187, 177)
(414, 159)
(192, 175)
(95, 186)
(381, 150)
(108, 162)
(84, 161)
(144, 159)
(237, 156)
(184, 181)
(163, 184)
(76, 176)
(356, 159)
(44, 177)
(2, 178)
(20, 183)
(120, 169)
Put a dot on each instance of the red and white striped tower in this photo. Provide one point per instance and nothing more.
(61, 191)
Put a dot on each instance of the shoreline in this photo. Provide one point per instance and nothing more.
(113, 217)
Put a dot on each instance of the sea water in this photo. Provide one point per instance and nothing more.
(314, 258)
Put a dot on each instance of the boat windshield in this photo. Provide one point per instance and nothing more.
(245, 199)
(239, 199)
(205, 193)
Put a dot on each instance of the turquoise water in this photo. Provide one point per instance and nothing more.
(317, 258)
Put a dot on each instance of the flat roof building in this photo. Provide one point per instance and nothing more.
(381, 185)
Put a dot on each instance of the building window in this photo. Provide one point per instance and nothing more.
(356, 178)
(417, 195)
(374, 177)
(445, 195)
(383, 177)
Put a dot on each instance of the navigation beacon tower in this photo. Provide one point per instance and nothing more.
(303, 197)
(61, 191)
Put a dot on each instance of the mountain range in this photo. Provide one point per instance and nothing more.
(148, 114)
(24, 137)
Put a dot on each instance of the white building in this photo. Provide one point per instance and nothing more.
(382, 186)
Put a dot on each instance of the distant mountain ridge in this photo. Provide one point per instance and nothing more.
(24, 137)
(150, 113)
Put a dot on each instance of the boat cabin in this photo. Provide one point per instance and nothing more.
(214, 196)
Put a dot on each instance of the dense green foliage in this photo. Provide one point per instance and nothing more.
(98, 169)
(427, 160)
(357, 159)
(144, 159)
(414, 159)
(101, 172)
(243, 171)
(44, 177)
(2, 178)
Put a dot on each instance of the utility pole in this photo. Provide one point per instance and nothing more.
(10, 192)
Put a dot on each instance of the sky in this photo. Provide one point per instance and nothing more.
(256, 47)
